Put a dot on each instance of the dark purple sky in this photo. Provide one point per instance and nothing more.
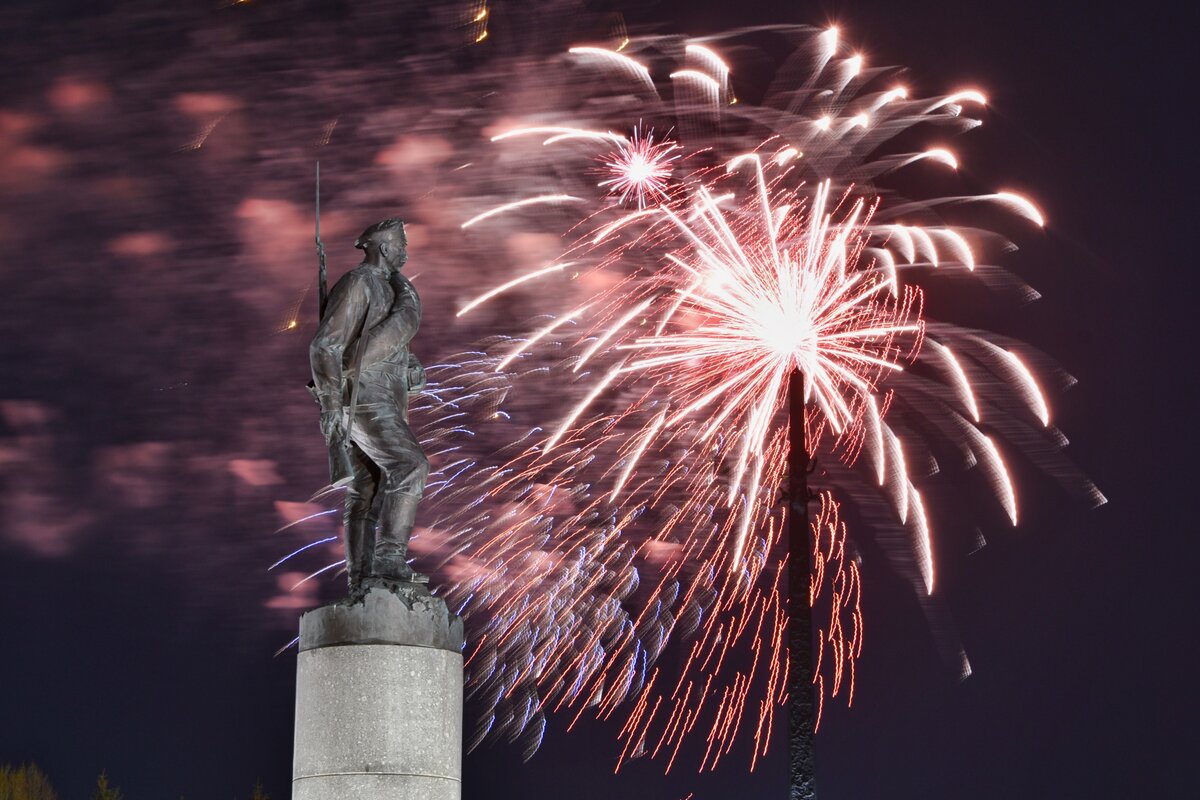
(136, 615)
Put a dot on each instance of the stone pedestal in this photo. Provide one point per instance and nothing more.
(379, 688)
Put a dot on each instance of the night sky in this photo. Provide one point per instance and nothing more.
(152, 419)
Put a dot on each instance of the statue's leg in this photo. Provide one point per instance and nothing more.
(383, 436)
(362, 502)
(405, 473)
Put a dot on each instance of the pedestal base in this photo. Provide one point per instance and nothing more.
(379, 700)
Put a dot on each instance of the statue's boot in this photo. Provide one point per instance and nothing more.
(360, 550)
(398, 515)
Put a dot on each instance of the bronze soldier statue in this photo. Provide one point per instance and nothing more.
(363, 370)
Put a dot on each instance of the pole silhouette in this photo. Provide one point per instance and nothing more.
(801, 709)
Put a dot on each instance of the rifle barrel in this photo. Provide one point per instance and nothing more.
(322, 275)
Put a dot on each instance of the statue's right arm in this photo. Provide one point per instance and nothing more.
(342, 322)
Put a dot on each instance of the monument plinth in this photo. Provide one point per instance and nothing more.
(379, 691)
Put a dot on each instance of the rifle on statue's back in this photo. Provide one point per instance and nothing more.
(322, 276)
(340, 470)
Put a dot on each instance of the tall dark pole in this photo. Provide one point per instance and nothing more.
(801, 711)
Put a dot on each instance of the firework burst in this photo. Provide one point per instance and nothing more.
(640, 169)
(764, 288)
(754, 281)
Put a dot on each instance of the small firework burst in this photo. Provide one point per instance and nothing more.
(639, 170)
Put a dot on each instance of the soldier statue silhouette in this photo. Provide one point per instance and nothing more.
(363, 370)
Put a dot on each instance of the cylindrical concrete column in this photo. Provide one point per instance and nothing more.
(379, 700)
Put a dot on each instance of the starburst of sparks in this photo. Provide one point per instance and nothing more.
(754, 282)
(767, 289)
(640, 169)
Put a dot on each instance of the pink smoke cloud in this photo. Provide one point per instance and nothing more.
(73, 95)
(34, 516)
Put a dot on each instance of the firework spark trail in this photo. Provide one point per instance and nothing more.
(643, 510)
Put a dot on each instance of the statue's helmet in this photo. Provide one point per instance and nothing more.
(390, 230)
